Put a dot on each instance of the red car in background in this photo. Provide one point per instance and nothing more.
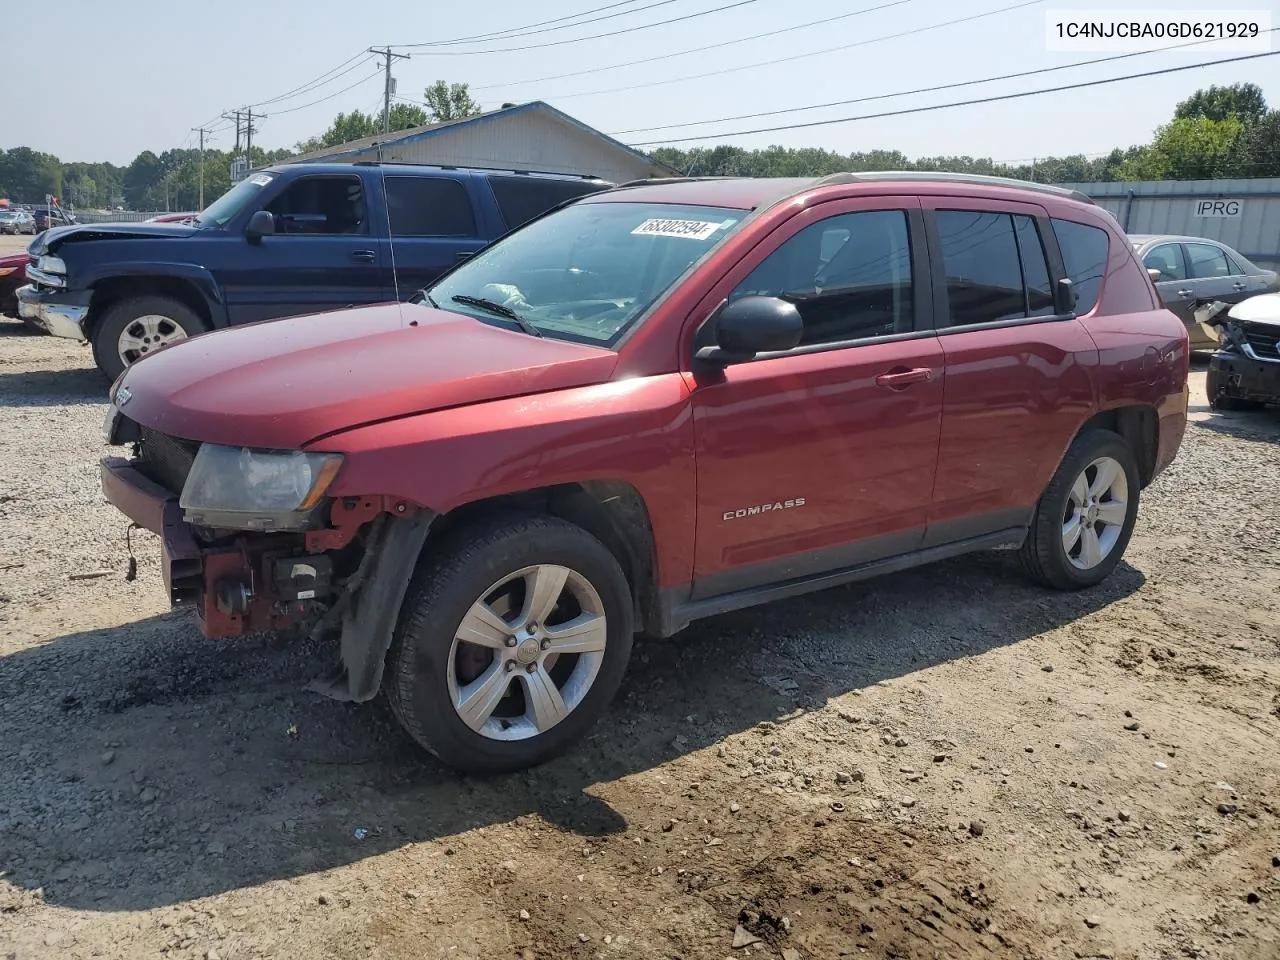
(13, 274)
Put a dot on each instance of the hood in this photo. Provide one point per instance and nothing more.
(55, 237)
(282, 383)
(1264, 308)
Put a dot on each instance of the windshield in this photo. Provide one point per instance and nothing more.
(586, 272)
(223, 210)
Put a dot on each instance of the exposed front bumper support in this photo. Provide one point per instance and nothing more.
(154, 508)
(1240, 377)
(62, 319)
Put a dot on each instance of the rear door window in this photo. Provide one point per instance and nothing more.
(1084, 255)
(429, 207)
(1207, 261)
(982, 267)
(1035, 268)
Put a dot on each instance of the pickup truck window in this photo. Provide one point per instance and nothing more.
(429, 207)
(323, 206)
(589, 271)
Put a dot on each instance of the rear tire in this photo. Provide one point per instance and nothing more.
(1086, 515)
(138, 326)
(506, 699)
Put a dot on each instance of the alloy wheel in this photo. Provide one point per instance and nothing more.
(527, 652)
(147, 334)
(1095, 513)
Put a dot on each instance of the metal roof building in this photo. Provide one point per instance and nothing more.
(533, 137)
(1243, 214)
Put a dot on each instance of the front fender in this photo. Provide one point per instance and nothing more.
(196, 276)
(637, 431)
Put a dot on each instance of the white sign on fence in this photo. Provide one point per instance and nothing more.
(1219, 209)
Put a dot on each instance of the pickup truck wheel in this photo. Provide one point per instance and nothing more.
(1085, 518)
(137, 326)
(512, 641)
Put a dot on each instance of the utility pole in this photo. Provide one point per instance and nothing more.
(388, 85)
(248, 137)
(202, 131)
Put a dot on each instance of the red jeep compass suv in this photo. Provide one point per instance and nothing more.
(654, 404)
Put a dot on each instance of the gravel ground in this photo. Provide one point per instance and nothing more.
(944, 763)
(10, 244)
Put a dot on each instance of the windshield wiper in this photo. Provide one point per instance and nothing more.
(427, 297)
(500, 309)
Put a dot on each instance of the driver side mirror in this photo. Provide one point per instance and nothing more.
(753, 325)
(1154, 274)
(261, 224)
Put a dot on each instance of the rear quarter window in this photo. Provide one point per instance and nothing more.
(1084, 255)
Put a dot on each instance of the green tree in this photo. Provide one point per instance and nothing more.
(1258, 149)
(1187, 149)
(449, 101)
(1243, 101)
(405, 116)
(141, 178)
(27, 175)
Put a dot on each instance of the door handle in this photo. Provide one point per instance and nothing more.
(1239, 285)
(1185, 293)
(364, 256)
(900, 377)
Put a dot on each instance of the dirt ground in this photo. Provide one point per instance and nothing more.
(944, 763)
(13, 244)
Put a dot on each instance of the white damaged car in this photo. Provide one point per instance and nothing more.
(1244, 372)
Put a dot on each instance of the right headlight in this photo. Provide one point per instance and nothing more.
(48, 264)
(242, 488)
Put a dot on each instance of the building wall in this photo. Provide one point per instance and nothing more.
(1243, 214)
(522, 141)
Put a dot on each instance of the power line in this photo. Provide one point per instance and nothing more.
(336, 93)
(594, 36)
(355, 64)
(710, 46)
(961, 103)
(933, 89)
(501, 34)
(798, 56)
(517, 32)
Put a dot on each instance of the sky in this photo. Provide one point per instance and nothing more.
(127, 75)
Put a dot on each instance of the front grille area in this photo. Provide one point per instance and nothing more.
(1263, 339)
(165, 459)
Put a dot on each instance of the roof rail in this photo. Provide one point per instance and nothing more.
(932, 176)
(652, 180)
(450, 166)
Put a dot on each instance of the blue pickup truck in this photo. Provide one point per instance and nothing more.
(287, 240)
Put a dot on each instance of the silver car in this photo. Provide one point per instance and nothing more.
(1195, 269)
(17, 221)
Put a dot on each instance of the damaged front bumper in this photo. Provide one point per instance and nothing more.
(352, 574)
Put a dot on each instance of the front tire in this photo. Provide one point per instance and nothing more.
(138, 326)
(1086, 515)
(512, 641)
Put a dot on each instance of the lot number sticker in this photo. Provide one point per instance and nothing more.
(689, 229)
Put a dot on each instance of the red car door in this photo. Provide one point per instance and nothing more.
(822, 457)
(1017, 377)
